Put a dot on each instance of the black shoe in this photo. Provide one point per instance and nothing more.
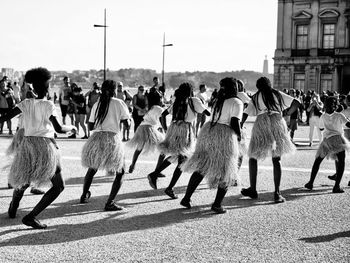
(113, 207)
(218, 209)
(124, 140)
(85, 137)
(131, 169)
(332, 177)
(36, 191)
(33, 222)
(308, 186)
(152, 180)
(185, 203)
(85, 198)
(170, 193)
(160, 175)
(72, 136)
(9, 186)
(337, 190)
(279, 198)
(250, 193)
(12, 210)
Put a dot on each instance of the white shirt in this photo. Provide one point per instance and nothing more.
(117, 111)
(232, 107)
(243, 97)
(36, 117)
(252, 111)
(332, 124)
(152, 116)
(203, 97)
(192, 115)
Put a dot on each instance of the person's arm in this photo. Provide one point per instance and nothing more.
(162, 120)
(235, 125)
(61, 128)
(206, 112)
(244, 118)
(12, 113)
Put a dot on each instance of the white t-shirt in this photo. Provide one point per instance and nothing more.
(152, 116)
(192, 115)
(243, 97)
(332, 124)
(203, 97)
(117, 111)
(36, 117)
(232, 107)
(347, 115)
(252, 111)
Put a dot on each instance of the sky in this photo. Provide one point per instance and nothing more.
(207, 35)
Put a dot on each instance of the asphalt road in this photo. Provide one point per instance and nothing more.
(312, 226)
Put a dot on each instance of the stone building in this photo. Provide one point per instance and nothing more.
(313, 45)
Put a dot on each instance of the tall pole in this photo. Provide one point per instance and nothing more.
(104, 50)
(104, 45)
(164, 45)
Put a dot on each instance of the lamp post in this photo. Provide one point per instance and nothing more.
(104, 46)
(164, 45)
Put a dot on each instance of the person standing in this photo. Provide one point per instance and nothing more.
(140, 106)
(103, 149)
(63, 98)
(127, 98)
(16, 92)
(93, 96)
(7, 102)
(315, 112)
(43, 164)
(179, 139)
(269, 134)
(79, 102)
(217, 151)
(201, 118)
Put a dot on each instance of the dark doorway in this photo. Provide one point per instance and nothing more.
(345, 84)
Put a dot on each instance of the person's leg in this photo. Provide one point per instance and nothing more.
(152, 177)
(16, 198)
(134, 160)
(118, 181)
(9, 126)
(195, 180)
(277, 174)
(46, 200)
(340, 171)
(127, 131)
(82, 124)
(311, 131)
(314, 170)
(87, 183)
(198, 122)
(176, 175)
(216, 206)
(77, 121)
(253, 172)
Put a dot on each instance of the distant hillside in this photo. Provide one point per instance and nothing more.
(134, 77)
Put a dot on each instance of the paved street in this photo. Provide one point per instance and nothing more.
(312, 226)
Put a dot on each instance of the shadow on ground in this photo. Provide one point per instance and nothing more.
(326, 238)
(115, 223)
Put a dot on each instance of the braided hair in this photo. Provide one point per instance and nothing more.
(228, 90)
(268, 96)
(107, 92)
(182, 99)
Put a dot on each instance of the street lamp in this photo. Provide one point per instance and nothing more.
(104, 47)
(164, 45)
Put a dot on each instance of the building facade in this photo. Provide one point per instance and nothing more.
(313, 45)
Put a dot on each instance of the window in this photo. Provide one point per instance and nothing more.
(299, 81)
(302, 35)
(328, 36)
(326, 82)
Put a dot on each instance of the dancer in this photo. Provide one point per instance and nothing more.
(37, 160)
(147, 136)
(269, 133)
(179, 138)
(104, 149)
(333, 145)
(217, 150)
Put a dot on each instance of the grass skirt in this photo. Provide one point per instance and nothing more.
(35, 162)
(270, 137)
(215, 156)
(179, 140)
(330, 147)
(146, 138)
(16, 142)
(103, 150)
